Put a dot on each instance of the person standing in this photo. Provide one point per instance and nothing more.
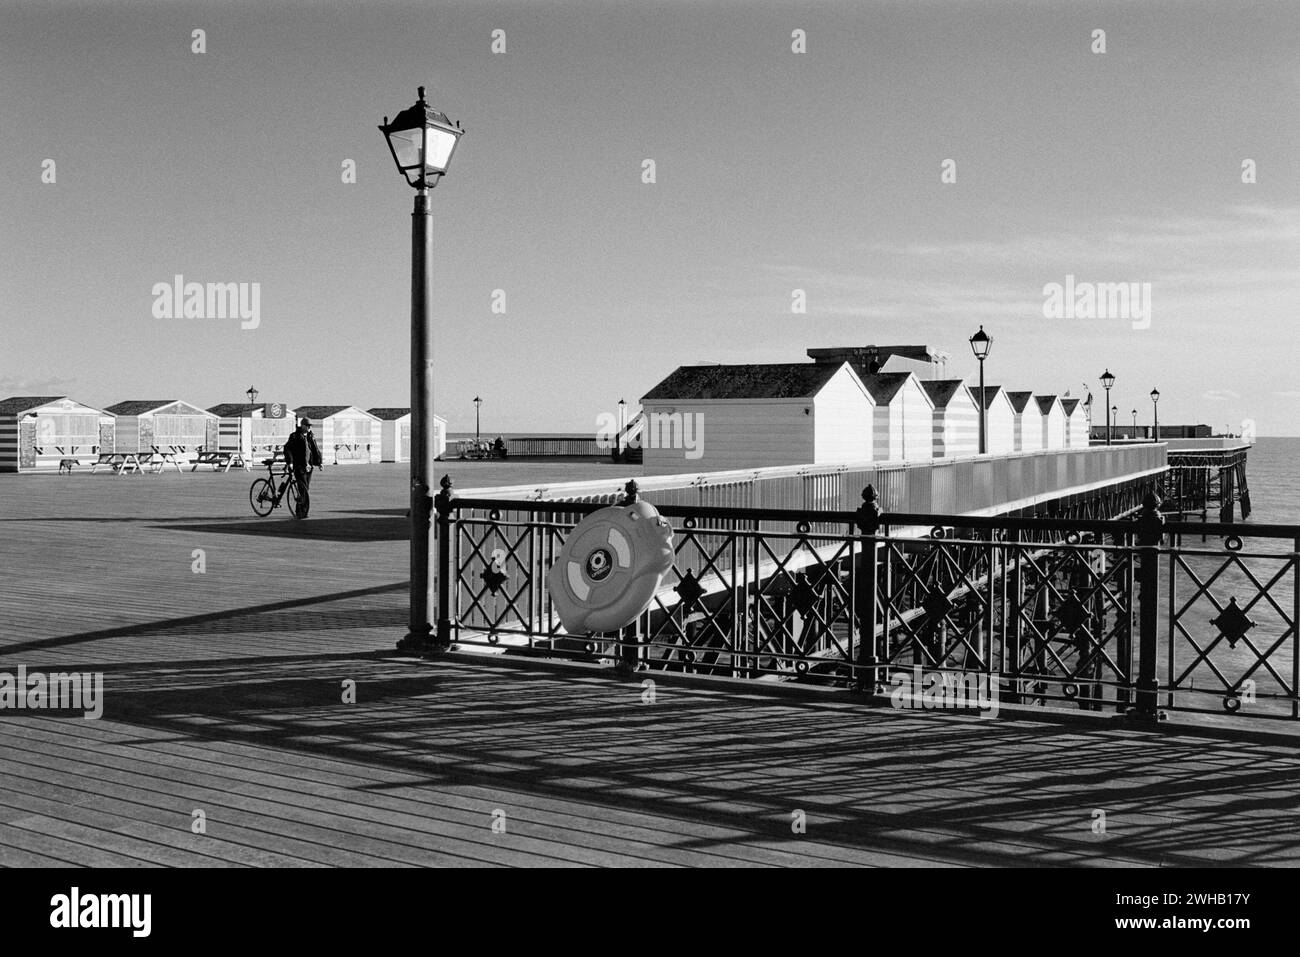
(302, 455)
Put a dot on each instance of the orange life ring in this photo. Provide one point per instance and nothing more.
(610, 567)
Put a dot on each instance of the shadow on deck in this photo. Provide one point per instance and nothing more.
(589, 773)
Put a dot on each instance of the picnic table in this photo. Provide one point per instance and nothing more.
(220, 460)
(164, 457)
(120, 462)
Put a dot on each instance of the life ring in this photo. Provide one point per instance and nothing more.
(610, 568)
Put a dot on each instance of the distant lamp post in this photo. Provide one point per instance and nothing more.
(478, 404)
(1155, 414)
(980, 344)
(1135, 423)
(1107, 380)
(422, 141)
(622, 427)
(1114, 416)
(252, 395)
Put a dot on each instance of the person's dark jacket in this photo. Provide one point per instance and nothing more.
(300, 450)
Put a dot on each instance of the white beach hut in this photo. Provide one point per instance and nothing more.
(395, 434)
(956, 418)
(37, 432)
(1076, 423)
(163, 425)
(1049, 407)
(1001, 418)
(903, 421)
(715, 417)
(254, 430)
(1028, 422)
(345, 434)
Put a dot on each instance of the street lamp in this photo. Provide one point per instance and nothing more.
(1155, 413)
(252, 395)
(478, 403)
(980, 344)
(421, 140)
(1135, 423)
(622, 426)
(1107, 380)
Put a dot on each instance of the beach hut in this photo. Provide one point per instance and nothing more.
(37, 432)
(956, 418)
(255, 431)
(1076, 423)
(346, 435)
(1028, 422)
(1049, 407)
(715, 417)
(163, 425)
(903, 421)
(395, 434)
(1001, 420)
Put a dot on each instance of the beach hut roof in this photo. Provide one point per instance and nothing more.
(990, 394)
(1069, 405)
(941, 391)
(136, 406)
(1019, 400)
(1045, 403)
(18, 404)
(786, 380)
(325, 411)
(883, 386)
(227, 409)
(388, 414)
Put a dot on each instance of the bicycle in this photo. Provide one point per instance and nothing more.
(265, 498)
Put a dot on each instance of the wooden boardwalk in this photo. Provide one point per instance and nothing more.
(224, 695)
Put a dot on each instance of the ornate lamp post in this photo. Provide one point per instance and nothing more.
(980, 344)
(622, 427)
(1108, 380)
(1155, 414)
(252, 395)
(478, 403)
(422, 141)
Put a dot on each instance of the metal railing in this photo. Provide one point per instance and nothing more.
(1101, 614)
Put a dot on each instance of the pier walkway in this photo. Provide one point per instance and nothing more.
(224, 695)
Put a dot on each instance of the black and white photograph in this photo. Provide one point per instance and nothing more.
(693, 434)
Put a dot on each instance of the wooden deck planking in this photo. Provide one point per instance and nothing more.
(223, 692)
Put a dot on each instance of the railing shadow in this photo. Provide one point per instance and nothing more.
(932, 787)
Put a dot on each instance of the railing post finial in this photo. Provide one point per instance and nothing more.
(869, 512)
(630, 492)
(442, 501)
(1150, 522)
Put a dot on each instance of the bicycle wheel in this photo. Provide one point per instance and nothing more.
(262, 497)
(291, 498)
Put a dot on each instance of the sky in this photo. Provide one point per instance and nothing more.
(774, 171)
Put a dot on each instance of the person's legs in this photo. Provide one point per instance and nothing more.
(303, 480)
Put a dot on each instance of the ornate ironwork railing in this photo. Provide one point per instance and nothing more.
(1117, 614)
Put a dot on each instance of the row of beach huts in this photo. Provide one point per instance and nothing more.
(852, 404)
(37, 433)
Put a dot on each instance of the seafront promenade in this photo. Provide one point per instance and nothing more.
(225, 687)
